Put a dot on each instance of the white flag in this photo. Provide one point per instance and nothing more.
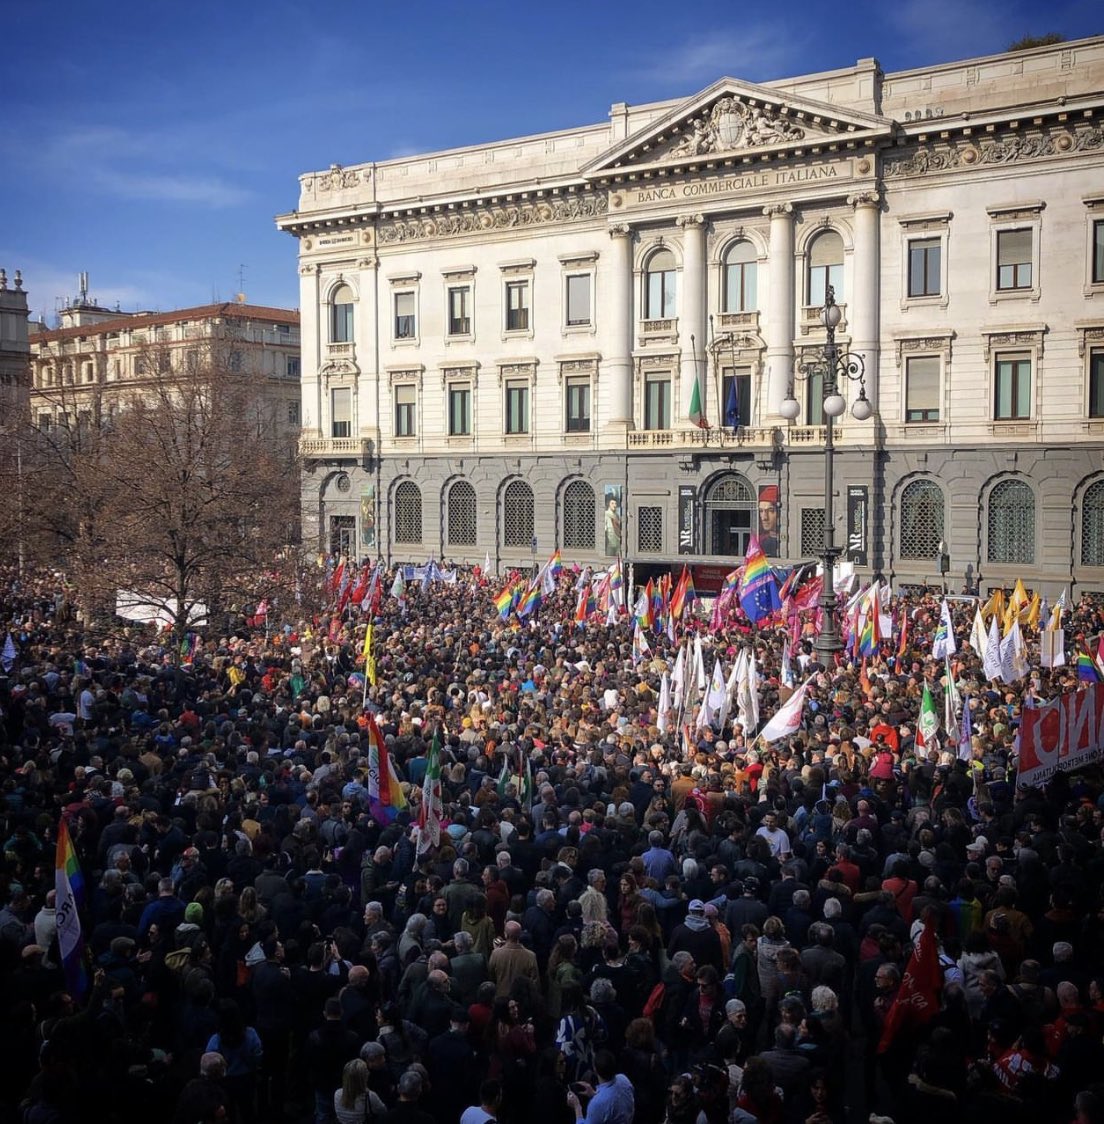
(678, 678)
(663, 720)
(951, 705)
(992, 658)
(1052, 647)
(1017, 651)
(716, 693)
(699, 664)
(978, 640)
(787, 666)
(730, 692)
(944, 643)
(7, 657)
(788, 718)
(487, 572)
(748, 696)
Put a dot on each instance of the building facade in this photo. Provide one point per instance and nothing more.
(89, 365)
(15, 353)
(502, 343)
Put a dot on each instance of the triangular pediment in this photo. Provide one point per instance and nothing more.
(735, 118)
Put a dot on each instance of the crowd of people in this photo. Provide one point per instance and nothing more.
(674, 923)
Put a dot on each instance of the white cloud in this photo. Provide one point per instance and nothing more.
(755, 52)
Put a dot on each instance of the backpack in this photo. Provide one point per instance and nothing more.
(654, 1003)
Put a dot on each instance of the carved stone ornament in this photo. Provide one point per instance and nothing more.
(337, 177)
(338, 368)
(510, 216)
(1011, 149)
(732, 123)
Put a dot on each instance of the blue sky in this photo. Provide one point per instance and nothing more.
(152, 143)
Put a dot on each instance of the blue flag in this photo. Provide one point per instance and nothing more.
(732, 406)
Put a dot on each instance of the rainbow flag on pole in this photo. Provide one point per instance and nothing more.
(385, 795)
(69, 887)
(758, 587)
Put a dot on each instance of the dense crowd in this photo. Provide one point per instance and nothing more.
(689, 925)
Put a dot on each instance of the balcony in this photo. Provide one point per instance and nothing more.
(324, 448)
(745, 437)
(658, 331)
(739, 323)
(340, 350)
(811, 322)
(653, 439)
(807, 435)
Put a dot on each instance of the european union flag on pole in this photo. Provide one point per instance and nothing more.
(732, 406)
(758, 589)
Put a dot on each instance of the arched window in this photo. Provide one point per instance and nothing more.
(578, 516)
(729, 508)
(921, 520)
(408, 512)
(1011, 522)
(740, 277)
(461, 514)
(659, 286)
(825, 267)
(341, 317)
(1092, 525)
(517, 515)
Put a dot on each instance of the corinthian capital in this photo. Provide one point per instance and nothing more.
(688, 221)
(620, 230)
(865, 199)
(778, 210)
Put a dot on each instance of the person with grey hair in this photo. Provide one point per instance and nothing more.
(595, 906)
(409, 1110)
(735, 1039)
(467, 968)
(822, 963)
(205, 1097)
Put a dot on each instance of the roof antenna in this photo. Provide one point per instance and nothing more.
(241, 284)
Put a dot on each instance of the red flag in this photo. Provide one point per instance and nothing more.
(361, 587)
(917, 1001)
(903, 645)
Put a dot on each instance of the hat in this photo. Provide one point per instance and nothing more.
(193, 913)
(120, 946)
(711, 911)
(33, 950)
(697, 906)
(768, 493)
(926, 858)
(978, 844)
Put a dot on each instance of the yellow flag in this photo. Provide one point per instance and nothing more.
(994, 606)
(1032, 616)
(1016, 603)
(369, 659)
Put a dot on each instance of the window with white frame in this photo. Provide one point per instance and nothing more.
(459, 409)
(341, 315)
(517, 406)
(406, 404)
(1098, 252)
(517, 306)
(1015, 253)
(577, 404)
(657, 401)
(922, 388)
(1012, 388)
(925, 267)
(406, 315)
(825, 268)
(814, 397)
(293, 413)
(341, 411)
(577, 300)
(741, 274)
(459, 310)
(659, 286)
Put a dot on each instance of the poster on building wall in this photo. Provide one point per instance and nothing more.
(611, 519)
(687, 532)
(856, 524)
(1064, 734)
(770, 526)
(368, 515)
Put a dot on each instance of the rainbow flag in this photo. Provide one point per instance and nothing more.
(385, 795)
(1086, 669)
(586, 604)
(504, 602)
(530, 602)
(683, 595)
(758, 588)
(731, 582)
(643, 610)
(871, 634)
(69, 888)
(555, 564)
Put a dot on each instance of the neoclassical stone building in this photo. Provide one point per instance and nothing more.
(501, 343)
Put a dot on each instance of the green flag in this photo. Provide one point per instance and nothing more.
(697, 414)
(928, 725)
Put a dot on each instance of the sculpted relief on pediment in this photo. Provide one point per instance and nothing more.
(734, 124)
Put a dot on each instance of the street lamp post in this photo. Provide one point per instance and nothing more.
(833, 365)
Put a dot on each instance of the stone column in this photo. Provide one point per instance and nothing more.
(619, 364)
(310, 336)
(692, 327)
(862, 306)
(780, 310)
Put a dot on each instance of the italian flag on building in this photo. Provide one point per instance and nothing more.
(697, 414)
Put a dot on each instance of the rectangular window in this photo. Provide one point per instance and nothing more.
(1014, 259)
(45, 421)
(578, 406)
(1013, 389)
(459, 411)
(578, 300)
(293, 413)
(649, 530)
(517, 407)
(657, 402)
(294, 367)
(1096, 384)
(735, 410)
(341, 327)
(234, 361)
(740, 286)
(924, 266)
(517, 306)
(405, 323)
(814, 398)
(459, 311)
(812, 531)
(1098, 252)
(922, 389)
(405, 401)
(341, 412)
(661, 294)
